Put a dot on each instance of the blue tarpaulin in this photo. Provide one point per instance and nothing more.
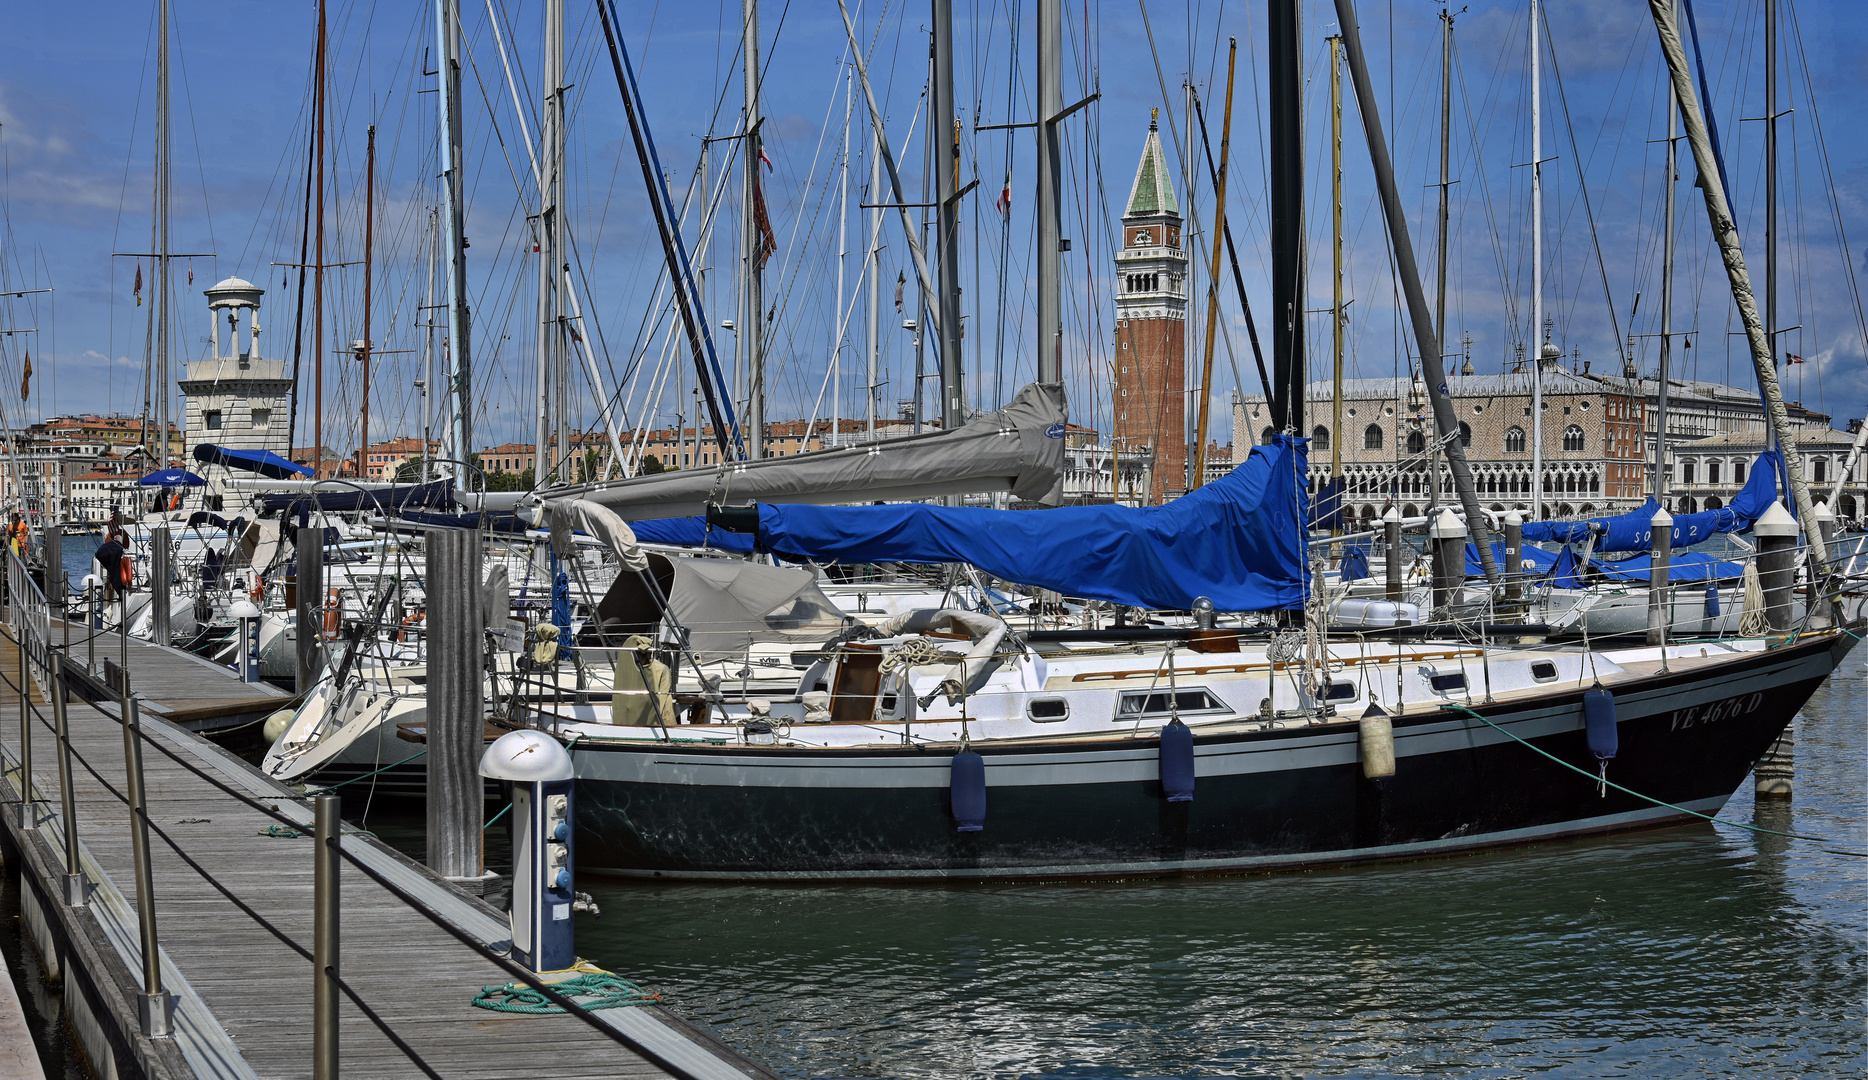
(263, 462)
(1355, 564)
(338, 497)
(1536, 560)
(1566, 572)
(492, 520)
(1634, 531)
(1682, 566)
(1240, 540)
(171, 478)
(690, 532)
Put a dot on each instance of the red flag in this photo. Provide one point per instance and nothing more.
(138, 287)
(1794, 358)
(191, 275)
(768, 243)
(25, 378)
(1005, 195)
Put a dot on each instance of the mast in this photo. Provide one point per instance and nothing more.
(1408, 270)
(752, 331)
(1336, 258)
(1770, 188)
(369, 240)
(1287, 217)
(159, 290)
(1446, 181)
(547, 450)
(428, 345)
(1049, 200)
(872, 341)
(1212, 296)
(1725, 233)
(460, 396)
(943, 124)
(317, 269)
(1666, 301)
(1537, 278)
(843, 255)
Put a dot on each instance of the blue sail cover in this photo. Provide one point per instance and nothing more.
(263, 462)
(1535, 560)
(1240, 540)
(1634, 531)
(1682, 566)
(690, 532)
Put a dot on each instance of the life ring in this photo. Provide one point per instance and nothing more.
(405, 634)
(259, 590)
(333, 601)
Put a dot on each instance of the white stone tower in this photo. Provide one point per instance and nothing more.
(237, 399)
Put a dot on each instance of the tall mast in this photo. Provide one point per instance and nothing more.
(369, 241)
(944, 125)
(317, 269)
(160, 286)
(872, 343)
(548, 450)
(1049, 201)
(1770, 178)
(428, 345)
(1287, 217)
(843, 255)
(1212, 297)
(752, 332)
(1537, 278)
(1446, 181)
(1336, 257)
(1666, 301)
(460, 396)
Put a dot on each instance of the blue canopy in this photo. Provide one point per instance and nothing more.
(690, 532)
(1566, 572)
(1535, 559)
(1682, 566)
(263, 462)
(1634, 530)
(1355, 564)
(172, 477)
(1239, 540)
(340, 497)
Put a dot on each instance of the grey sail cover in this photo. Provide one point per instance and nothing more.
(1019, 449)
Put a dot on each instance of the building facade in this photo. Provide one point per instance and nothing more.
(1150, 406)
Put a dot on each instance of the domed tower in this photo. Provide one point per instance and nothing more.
(236, 398)
(1151, 326)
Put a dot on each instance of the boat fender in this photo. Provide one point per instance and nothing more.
(1712, 599)
(967, 783)
(1378, 745)
(1599, 723)
(275, 726)
(1177, 762)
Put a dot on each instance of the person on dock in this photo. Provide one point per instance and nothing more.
(109, 561)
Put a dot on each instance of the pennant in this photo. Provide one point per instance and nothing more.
(762, 157)
(191, 275)
(768, 244)
(137, 288)
(1005, 195)
(1794, 358)
(901, 279)
(25, 378)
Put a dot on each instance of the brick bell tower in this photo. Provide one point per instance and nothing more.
(1151, 328)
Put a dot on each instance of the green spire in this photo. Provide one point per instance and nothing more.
(1153, 192)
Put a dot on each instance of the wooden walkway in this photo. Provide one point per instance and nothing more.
(177, 686)
(244, 997)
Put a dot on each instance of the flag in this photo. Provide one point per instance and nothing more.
(901, 279)
(1005, 195)
(1794, 358)
(138, 287)
(191, 275)
(25, 378)
(762, 157)
(768, 244)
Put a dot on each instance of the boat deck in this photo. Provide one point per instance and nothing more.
(243, 994)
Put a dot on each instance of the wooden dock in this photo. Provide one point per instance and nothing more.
(177, 686)
(243, 996)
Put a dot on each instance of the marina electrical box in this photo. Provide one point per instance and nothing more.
(543, 857)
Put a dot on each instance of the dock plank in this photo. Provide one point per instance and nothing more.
(253, 989)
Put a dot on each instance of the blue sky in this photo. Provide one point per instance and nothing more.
(76, 107)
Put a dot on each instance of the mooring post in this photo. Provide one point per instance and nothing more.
(1448, 535)
(1391, 528)
(159, 571)
(1777, 535)
(326, 863)
(54, 548)
(27, 819)
(455, 707)
(75, 892)
(1514, 565)
(1822, 606)
(1659, 610)
(310, 595)
(155, 1007)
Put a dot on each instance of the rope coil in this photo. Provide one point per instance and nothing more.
(594, 989)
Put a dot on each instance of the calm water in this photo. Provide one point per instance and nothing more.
(1692, 952)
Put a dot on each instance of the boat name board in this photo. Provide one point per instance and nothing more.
(1743, 704)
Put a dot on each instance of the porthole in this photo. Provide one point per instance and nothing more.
(1446, 684)
(1543, 670)
(1341, 691)
(1047, 710)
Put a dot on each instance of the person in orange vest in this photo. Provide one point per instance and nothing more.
(17, 534)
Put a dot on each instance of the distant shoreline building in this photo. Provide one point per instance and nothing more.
(1150, 408)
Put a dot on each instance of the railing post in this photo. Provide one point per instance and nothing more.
(76, 895)
(155, 1007)
(27, 818)
(324, 940)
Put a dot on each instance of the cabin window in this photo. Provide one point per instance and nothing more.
(1340, 691)
(1372, 437)
(1048, 710)
(1543, 670)
(1446, 684)
(1514, 440)
(1155, 703)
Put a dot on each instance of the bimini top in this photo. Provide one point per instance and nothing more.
(1239, 541)
(263, 462)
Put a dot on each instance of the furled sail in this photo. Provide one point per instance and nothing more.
(1239, 541)
(1634, 531)
(1019, 449)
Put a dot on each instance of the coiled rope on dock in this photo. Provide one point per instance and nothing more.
(1598, 779)
(593, 989)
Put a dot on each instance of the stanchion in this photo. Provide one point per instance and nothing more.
(155, 1007)
(324, 960)
(27, 819)
(76, 895)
